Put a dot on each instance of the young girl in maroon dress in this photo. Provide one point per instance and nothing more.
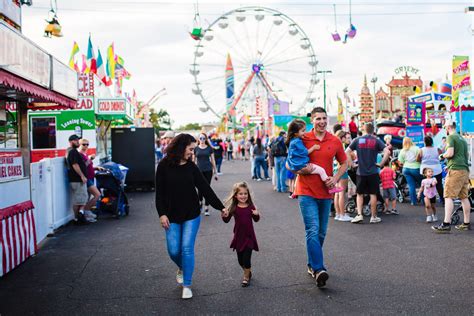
(240, 206)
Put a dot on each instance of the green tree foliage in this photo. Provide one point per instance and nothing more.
(190, 127)
(160, 120)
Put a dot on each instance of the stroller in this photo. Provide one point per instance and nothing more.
(351, 204)
(401, 185)
(110, 183)
(457, 213)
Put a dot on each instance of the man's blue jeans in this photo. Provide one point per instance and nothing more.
(280, 172)
(180, 239)
(260, 162)
(414, 178)
(315, 214)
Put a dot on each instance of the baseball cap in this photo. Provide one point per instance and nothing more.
(74, 137)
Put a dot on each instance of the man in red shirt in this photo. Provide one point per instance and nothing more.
(353, 128)
(313, 196)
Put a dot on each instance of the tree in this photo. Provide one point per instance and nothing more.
(160, 120)
(190, 127)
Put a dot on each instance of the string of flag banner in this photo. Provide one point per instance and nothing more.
(112, 68)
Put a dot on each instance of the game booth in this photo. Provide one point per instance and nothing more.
(30, 78)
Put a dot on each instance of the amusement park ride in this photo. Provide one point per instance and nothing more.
(264, 51)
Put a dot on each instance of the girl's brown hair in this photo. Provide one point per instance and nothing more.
(231, 201)
(293, 129)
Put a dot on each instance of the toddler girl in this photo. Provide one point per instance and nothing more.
(298, 154)
(240, 205)
(428, 187)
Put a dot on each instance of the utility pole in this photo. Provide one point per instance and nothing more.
(374, 80)
(324, 72)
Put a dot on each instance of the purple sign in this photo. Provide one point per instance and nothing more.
(278, 107)
(416, 112)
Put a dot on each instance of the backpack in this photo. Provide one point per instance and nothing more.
(278, 148)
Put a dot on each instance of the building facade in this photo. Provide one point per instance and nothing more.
(400, 90)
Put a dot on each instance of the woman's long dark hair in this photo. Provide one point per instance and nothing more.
(259, 143)
(208, 143)
(293, 129)
(175, 150)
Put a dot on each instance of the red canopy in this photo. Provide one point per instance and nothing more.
(30, 88)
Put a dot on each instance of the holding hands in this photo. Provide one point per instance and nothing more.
(224, 213)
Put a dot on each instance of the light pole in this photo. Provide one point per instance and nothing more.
(324, 72)
(346, 110)
(374, 80)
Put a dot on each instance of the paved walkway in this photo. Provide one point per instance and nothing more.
(122, 267)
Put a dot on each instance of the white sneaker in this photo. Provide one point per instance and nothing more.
(358, 219)
(345, 218)
(90, 219)
(206, 213)
(91, 214)
(219, 173)
(179, 277)
(375, 219)
(429, 219)
(435, 218)
(187, 293)
(337, 218)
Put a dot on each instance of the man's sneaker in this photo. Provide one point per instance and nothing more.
(90, 214)
(81, 220)
(463, 226)
(345, 218)
(259, 179)
(429, 219)
(358, 219)
(311, 272)
(394, 212)
(374, 220)
(321, 278)
(179, 277)
(442, 228)
(187, 293)
(435, 218)
(206, 212)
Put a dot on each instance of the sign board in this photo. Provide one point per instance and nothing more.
(111, 106)
(11, 165)
(406, 69)
(64, 79)
(85, 85)
(416, 135)
(12, 10)
(84, 103)
(416, 113)
(467, 121)
(21, 57)
(278, 107)
(424, 97)
(461, 78)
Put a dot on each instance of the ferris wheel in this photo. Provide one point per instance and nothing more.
(261, 52)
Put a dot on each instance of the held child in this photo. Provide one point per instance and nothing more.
(298, 154)
(428, 187)
(387, 175)
(239, 205)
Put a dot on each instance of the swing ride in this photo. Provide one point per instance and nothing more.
(53, 28)
(265, 53)
(351, 31)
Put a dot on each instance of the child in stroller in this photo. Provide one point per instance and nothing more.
(111, 183)
(351, 205)
(457, 213)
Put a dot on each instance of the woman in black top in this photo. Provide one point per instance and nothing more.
(204, 159)
(177, 203)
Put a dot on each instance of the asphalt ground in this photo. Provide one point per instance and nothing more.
(121, 267)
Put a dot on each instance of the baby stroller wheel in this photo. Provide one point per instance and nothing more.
(380, 207)
(351, 207)
(400, 197)
(455, 217)
(366, 210)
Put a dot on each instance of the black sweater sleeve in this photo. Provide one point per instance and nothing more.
(160, 190)
(206, 189)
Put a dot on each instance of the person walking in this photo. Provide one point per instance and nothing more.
(411, 167)
(230, 149)
(368, 181)
(240, 206)
(313, 196)
(279, 153)
(259, 153)
(204, 159)
(177, 203)
(76, 174)
(90, 175)
(428, 187)
(218, 155)
(457, 180)
(353, 129)
(429, 157)
(340, 197)
(387, 177)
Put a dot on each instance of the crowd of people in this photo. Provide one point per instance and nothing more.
(316, 168)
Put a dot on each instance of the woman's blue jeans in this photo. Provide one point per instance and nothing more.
(180, 239)
(280, 173)
(218, 164)
(315, 214)
(414, 178)
(261, 162)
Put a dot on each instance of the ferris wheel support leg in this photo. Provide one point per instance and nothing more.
(267, 86)
(241, 93)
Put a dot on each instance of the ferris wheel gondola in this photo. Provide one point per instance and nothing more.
(265, 53)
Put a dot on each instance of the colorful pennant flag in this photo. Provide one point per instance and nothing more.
(91, 61)
(84, 68)
(111, 62)
(100, 69)
(75, 50)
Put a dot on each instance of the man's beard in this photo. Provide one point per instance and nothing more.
(75, 146)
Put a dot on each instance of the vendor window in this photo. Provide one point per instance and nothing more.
(8, 125)
(43, 130)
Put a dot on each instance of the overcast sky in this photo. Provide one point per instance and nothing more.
(152, 38)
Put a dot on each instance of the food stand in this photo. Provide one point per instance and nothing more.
(29, 78)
